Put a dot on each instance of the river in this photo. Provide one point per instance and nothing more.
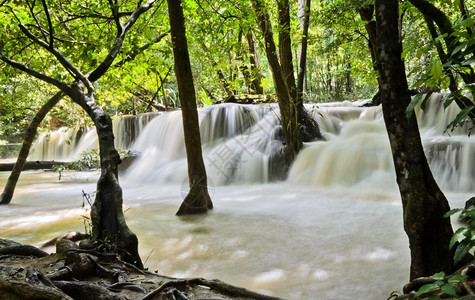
(332, 230)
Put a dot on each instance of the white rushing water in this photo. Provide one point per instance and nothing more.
(332, 230)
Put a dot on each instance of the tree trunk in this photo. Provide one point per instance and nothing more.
(304, 12)
(366, 15)
(107, 216)
(256, 83)
(30, 134)
(288, 110)
(198, 200)
(424, 204)
(308, 127)
(285, 48)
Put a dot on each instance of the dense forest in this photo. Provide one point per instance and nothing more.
(227, 55)
(79, 64)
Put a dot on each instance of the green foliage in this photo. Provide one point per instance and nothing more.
(452, 70)
(89, 160)
(464, 237)
(441, 283)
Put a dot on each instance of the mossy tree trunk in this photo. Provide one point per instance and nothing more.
(197, 200)
(423, 202)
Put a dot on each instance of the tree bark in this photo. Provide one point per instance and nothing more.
(423, 202)
(304, 15)
(288, 109)
(198, 200)
(107, 216)
(366, 15)
(6, 196)
(256, 83)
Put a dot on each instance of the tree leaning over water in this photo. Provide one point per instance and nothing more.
(197, 200)
(107, 217)
(423, 202)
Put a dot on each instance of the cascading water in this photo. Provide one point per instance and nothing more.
(332, 230)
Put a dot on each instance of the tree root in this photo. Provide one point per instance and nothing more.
(214, 284)
(85, 274)
(24, 250)
(27, 284)
(86, 290)
(72, 236)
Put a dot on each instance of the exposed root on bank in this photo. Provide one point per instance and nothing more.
(74, 273)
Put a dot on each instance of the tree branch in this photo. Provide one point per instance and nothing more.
(114, 51)
(60, 57)
(114, 9)
(141, 49)
(50, 25)
(61, 85)
(31, 7)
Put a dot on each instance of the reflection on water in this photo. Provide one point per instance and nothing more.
(294, 242)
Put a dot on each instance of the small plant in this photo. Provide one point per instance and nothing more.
(89, 160)
(441, 283)
(86, 205)
(463, 237)
(205, 99)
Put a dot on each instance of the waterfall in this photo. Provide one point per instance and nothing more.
(242, 143)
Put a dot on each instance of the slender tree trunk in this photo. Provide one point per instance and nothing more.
(198, 200)
(302, 70)
(256, 83)
(288, 110)
(285, 48)
(30, 134)
(366, 15)
(423, 202)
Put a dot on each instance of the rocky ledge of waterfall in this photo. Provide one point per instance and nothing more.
(76, 271)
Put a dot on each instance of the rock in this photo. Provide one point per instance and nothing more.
(86, 244)
(129, 159)
(62, 246)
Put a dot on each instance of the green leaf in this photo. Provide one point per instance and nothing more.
(457, 236)
(438, 276)
(436, 69)
(458, 48)
(461, 251)
(451, 212)
(461, 116)
(424, 102)
(448, 289)
(410, 107)
(426, 288)
(457, 278)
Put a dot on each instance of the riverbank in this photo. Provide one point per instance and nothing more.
(27, 272)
